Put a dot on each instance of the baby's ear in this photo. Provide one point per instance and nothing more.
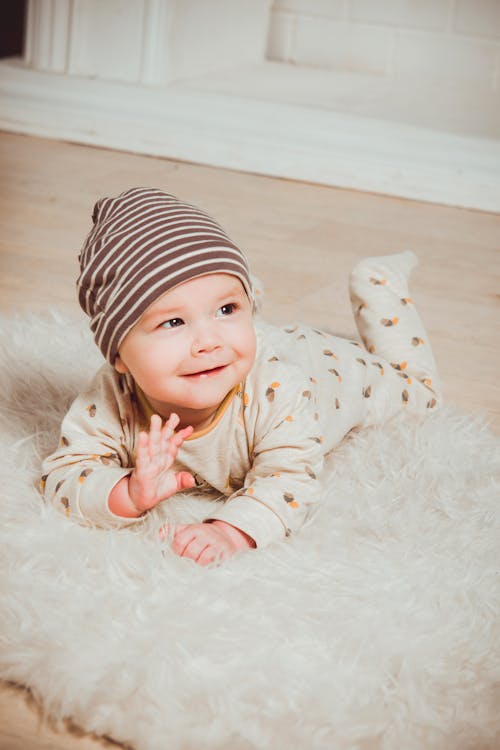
(258, 292)
(120, 365)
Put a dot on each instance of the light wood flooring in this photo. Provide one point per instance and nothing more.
(301, 239)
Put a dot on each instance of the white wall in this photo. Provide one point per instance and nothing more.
(457, 40)
(400, 97)
(144, 41)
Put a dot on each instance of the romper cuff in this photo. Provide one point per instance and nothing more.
(254, 518)
(94, 494)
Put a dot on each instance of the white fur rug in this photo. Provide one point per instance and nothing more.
(376, 627)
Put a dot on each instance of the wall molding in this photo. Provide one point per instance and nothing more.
(235, 131)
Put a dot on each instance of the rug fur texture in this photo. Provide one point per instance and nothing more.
(377, 627)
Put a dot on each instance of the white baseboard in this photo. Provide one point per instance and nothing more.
(262, 135)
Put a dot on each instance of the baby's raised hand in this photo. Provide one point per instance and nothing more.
(206, 543)
(152, 479)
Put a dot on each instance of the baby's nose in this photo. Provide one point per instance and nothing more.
(205, 339)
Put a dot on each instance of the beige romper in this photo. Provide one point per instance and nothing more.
(264, 450)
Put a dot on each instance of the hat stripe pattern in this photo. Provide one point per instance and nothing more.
(143, 243)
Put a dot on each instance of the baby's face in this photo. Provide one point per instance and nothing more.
(191, 347)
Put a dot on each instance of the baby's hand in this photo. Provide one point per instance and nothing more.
(206, 543)
(153, 479)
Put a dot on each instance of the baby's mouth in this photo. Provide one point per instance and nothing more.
(205, 373)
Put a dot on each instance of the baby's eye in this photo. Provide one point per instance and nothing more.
(227, 309)
(172, 323)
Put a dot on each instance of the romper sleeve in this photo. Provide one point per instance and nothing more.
(94, 452)
(281, 489)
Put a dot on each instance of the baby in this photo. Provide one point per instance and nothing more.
(196, 391)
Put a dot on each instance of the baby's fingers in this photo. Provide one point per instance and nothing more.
(185, 480)
(170, 426)
(155, 436)
(167, 433)
(150, 445)
(198, 542)
(161, 444)
(178, 438)
(172, 444)
(184, 535)
(142, 460)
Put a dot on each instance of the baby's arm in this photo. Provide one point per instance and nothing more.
(279, 490)
(96, 453)
(152, 479)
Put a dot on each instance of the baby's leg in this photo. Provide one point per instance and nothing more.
(390, 326)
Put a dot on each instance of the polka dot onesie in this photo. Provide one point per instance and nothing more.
(264, 450)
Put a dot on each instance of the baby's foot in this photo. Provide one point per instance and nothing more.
(393, 270)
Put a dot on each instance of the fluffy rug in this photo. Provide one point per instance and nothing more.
(376, 627)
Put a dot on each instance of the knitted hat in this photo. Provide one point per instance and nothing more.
(143, 243)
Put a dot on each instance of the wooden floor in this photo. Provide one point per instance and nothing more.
(301, 239)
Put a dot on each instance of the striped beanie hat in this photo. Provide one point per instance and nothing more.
(143, 243)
